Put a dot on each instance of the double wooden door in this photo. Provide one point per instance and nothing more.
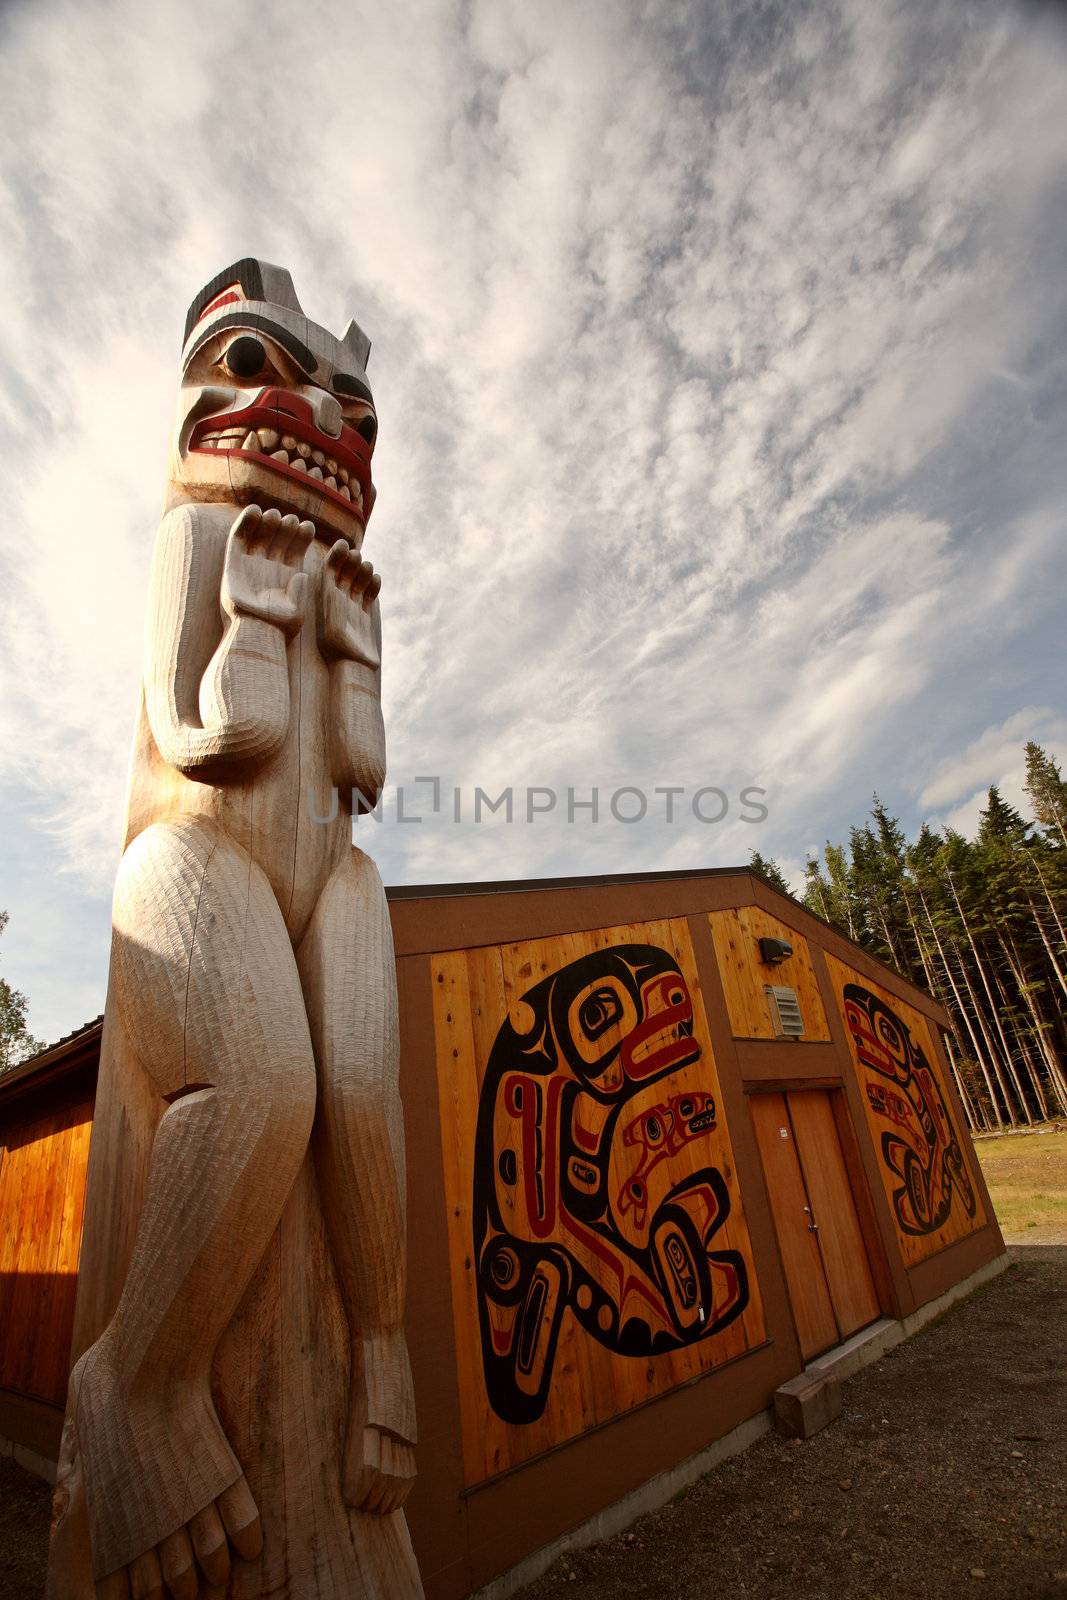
(826, 1266)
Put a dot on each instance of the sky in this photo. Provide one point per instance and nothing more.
(720, 353)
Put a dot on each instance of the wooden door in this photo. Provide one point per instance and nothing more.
(824, 1258)
(809, 1293)
(839, 1235)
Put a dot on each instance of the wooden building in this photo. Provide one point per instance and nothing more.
(46, 1118)
(670, 1139)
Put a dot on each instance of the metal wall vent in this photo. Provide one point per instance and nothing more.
(784, 1008)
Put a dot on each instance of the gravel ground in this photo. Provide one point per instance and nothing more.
(25, 1509)
(946, 1475)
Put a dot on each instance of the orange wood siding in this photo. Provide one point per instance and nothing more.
(925, 1161)
(43, 1164)
(477, 992)
(737, 934)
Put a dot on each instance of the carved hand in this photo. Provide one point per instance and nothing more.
(348, 608)
(380, 1455)
(262, 575)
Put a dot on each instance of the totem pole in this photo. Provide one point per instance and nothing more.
(240, 1419)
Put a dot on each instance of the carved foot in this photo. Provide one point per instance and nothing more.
(155, 1469)
(201, 1546)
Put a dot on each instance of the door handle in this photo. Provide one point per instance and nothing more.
(813, 1226)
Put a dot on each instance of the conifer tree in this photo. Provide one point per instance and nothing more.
(1047, 791)
(816, 890)
(982, 924)
(768, 868)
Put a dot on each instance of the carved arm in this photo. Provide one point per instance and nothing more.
(350, 638)
(215, 700)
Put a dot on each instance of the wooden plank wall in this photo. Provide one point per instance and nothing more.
(476, 993)
(737, 934)
(926, 1166)
(43, 1162)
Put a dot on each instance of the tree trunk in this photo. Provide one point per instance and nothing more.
(991, 1049)
(961, 1087)
(1025, 1057)
(962, 1010)
(1061, 978)
(1055, 1072)
(989, 997)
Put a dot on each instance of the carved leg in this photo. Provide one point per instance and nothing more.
(349, 978)
(207, 989)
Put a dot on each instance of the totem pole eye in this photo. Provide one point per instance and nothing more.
(246, 357)
(368, 428)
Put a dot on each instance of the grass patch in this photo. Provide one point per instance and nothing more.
(1027, 1178)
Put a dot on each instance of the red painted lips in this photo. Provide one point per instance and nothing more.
(290, 414)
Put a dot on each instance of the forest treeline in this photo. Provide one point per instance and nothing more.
(978, 923)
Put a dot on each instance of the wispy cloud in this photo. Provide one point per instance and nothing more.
(720, 360)
(960, 784)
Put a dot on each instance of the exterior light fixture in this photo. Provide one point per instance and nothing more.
(774, 951)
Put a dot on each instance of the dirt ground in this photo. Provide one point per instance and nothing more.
(946, 1475)
(25, 1509)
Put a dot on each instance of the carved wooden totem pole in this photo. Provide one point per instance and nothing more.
(240, 1419)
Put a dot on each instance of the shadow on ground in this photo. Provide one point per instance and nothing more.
(944, 1476)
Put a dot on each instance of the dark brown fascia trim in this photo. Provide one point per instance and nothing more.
(62, 1056)
(53, 1065)
(436, 891)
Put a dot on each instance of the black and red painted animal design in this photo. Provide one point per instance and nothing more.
(920, 1145)
(595, 1188)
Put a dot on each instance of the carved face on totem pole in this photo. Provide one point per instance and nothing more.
(273, 409)
(596, 1187)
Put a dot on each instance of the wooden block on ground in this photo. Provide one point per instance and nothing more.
(806, 1404)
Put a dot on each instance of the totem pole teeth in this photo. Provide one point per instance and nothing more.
(288, 453)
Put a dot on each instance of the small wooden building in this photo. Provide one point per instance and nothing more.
(46, 1118)
(670, 1139)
